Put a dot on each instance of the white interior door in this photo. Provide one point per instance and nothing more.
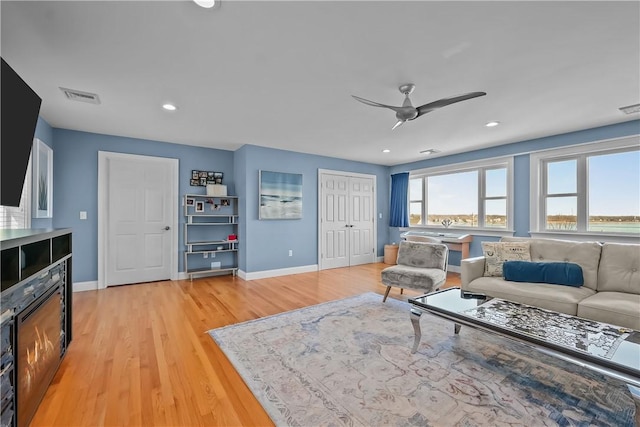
(139, 218)
(347, 219)
(361, 213)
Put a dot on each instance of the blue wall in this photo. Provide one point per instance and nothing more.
(267, 242)
(264, 245)
(521, 166)
(75, 166)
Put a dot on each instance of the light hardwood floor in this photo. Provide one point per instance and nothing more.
(141, 355)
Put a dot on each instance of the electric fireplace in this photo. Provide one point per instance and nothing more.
(35, 317)
(38, 351)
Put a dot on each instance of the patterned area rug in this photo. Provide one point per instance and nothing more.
(349, 362)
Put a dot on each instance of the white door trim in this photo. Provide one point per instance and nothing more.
(320, 208)
(103, 220)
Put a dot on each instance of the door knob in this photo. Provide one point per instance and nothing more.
(167, 228)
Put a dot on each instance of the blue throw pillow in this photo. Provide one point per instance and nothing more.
(557, 273)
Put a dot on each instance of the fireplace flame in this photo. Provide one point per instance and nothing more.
(37, 359)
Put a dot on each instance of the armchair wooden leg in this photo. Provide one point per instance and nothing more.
(401, 291)
(386, 293)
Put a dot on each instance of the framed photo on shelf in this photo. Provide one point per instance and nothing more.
(199, 207)
(190, 202)
(42, 179)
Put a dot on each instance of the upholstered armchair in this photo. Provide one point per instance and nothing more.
(421, 266)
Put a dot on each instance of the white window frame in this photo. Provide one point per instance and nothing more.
(540, 159)
(24, 210)
(480, 166)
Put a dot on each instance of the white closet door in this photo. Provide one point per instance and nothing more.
(361, 213)
(334, 226)
(347, 219)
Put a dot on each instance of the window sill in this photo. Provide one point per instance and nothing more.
(586, 236)
(491, 232)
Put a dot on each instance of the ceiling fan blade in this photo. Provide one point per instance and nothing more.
(426, 108)
(376, 104)
(399, 123)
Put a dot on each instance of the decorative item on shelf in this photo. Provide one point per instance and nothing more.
(216, 190)
(446, 223)
(214, 205)
(232, 237)
(225, 202)
(199, 206)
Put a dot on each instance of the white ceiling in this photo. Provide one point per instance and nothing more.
(281, 74)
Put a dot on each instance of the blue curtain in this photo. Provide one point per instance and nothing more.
(399, 209)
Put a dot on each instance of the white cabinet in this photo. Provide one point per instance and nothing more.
(210, 234)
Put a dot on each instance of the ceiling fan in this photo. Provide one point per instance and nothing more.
(409, 112)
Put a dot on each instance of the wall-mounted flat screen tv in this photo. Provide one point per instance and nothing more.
(19, 111)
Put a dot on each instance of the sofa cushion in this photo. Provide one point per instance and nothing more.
(616, 308)
(556, 273)
(496, 253)
(619, 268)
(585, 254)
(564, 299)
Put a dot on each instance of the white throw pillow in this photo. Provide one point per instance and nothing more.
(496, 253)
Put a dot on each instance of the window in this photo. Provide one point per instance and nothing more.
(592, 189)
(20, 217)
(471, 195)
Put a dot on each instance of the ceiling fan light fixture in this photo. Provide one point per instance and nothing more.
(207, 4)
(169, 107)
(492, 124)
(429, 151)
(630, 109)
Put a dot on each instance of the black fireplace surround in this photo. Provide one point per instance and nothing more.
(35, 317)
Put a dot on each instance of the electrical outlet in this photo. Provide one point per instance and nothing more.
(205, 255)
(290, 252)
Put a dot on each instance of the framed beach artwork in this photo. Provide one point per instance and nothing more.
(280, 195)
(42, 179)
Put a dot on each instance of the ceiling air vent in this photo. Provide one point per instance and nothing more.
(78, 95)
(630, 109)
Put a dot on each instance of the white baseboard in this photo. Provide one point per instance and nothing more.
(182, 275)
(91, 285)
(454, 268)
(380, 259)
(278, 272)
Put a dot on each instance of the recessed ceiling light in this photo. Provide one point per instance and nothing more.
(205, 3)
(169, 107)
(492, 124)
(429, 151)
(386, 150)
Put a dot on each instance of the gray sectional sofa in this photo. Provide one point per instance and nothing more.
(611, 289)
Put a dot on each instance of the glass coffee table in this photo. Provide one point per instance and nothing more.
(608, 349)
